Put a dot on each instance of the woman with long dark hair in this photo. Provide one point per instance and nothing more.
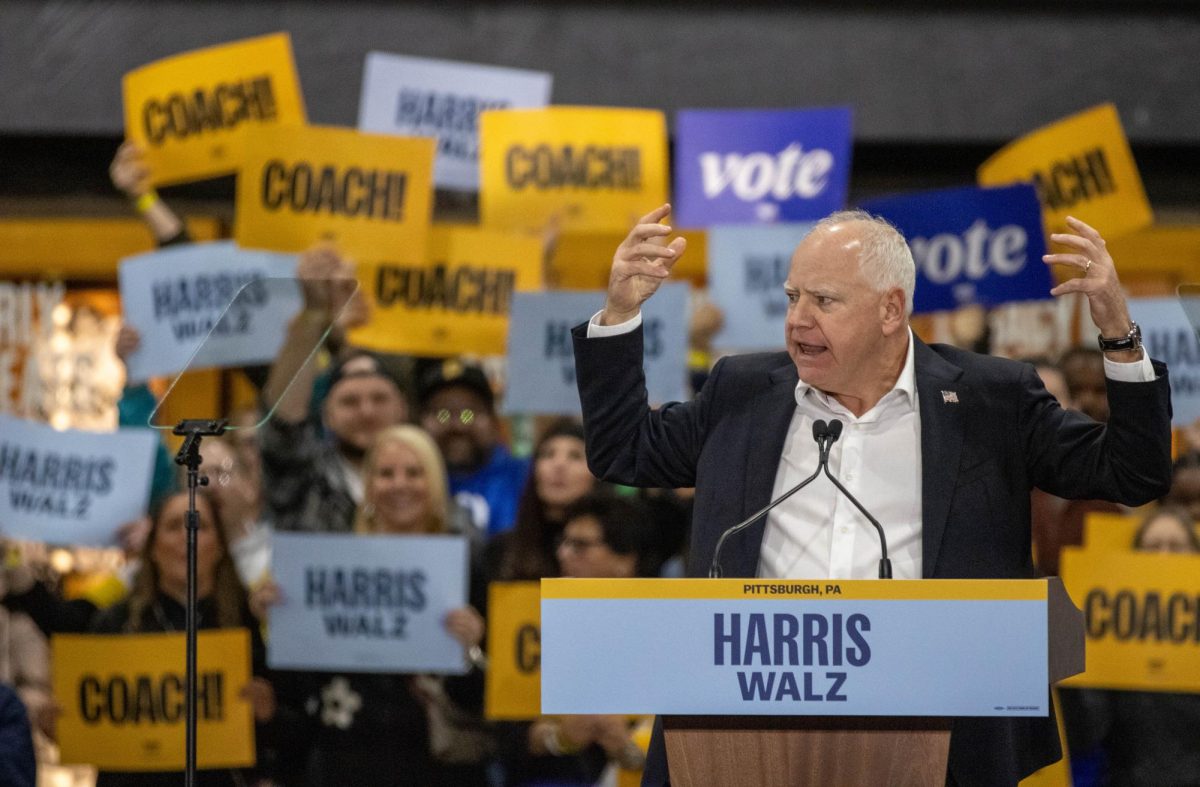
(559, 477)
(156, 603)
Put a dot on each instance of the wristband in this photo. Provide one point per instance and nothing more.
(146, 201)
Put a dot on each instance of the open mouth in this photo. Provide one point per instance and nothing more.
(811, 349)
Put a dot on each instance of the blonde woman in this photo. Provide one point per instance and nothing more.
(392, 729)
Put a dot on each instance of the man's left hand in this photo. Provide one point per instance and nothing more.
(1099, 281)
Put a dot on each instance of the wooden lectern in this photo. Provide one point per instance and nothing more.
(943, 648)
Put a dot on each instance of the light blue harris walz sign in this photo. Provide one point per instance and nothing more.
(541, 361)
(418, 96)
(747, 267)
(749, 166)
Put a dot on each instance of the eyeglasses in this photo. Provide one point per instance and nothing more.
(465, 416)
(577, 544)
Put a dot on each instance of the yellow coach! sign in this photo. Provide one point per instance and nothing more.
(514, 677)
(459, 302)
(370, 194)
(189, 111)
(1142, 614)
(1082, 167)
(123, 700)
(592, 168)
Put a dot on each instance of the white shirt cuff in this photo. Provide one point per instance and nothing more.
(1137, 372)
(597, 331)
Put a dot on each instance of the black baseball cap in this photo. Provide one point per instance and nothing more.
(451, 372)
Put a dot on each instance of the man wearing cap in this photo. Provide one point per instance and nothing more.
(313, 482)
(458, 409)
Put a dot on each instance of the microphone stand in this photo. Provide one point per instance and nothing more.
(192, 431)
(820, 434)
(834, 431)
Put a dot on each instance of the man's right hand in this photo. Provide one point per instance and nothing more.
(642, 263)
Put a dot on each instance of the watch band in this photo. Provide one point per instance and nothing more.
(1130, 341)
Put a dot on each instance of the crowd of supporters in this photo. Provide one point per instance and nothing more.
(366, 443)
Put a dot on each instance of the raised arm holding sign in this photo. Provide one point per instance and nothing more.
(942, 445)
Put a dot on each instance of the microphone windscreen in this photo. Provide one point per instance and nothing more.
(820, 429)
(835, 429)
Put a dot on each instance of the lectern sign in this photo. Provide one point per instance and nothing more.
(795, 647)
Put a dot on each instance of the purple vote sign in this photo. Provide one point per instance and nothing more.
(737, 166)
(972, 245)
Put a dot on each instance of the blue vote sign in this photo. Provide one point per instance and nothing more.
(541, 361)
(972, 245)
(367, 603)
(746, 166)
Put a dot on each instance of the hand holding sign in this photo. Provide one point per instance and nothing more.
(642, 263)
(1099, 281)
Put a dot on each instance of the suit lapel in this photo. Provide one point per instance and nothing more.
(942, 400)
(771, 413)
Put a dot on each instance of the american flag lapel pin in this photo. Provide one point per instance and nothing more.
(949, 397)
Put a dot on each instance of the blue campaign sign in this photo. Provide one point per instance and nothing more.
(747, 266)
(72, 487)
(367, 603)
(541, 362)
(972, 245)
(737, 166)
(423, 97)
(174, 297)
(1170, 335)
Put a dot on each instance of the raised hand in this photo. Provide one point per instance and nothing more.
(641, 264)
(1099, 281)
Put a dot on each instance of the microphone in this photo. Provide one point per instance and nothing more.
(832, 432)
(820, 432)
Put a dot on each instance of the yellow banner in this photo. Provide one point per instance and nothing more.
(189, 112)
(513, 689)
(457, 303)
(591, 168)
(583, 260)
(1172, 251)
(123, 700)
(1082, 166)
(1143, 618)
(370, 194)
(811, 589)
(1109, 531)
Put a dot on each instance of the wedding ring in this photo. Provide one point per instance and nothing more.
(1087, 267)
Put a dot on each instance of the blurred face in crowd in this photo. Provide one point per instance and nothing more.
(461, 423)
(838, 325)
(359, 407)
(561, 472)
(169, 551)
(1185, 490)
(583, 554)
(1085, 383)
(1165, 533)
(399, 490)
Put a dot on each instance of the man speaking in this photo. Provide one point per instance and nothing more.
(940, 444)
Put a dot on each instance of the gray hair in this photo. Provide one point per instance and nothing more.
(885, 260)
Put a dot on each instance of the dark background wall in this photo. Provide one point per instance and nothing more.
(935, 86)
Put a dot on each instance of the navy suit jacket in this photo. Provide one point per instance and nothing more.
(982, 451)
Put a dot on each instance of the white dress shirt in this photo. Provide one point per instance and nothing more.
(818, 533)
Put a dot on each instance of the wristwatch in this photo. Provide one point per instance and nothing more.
(1130, 341)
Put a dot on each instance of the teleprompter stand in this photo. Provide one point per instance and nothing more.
(189, 456)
